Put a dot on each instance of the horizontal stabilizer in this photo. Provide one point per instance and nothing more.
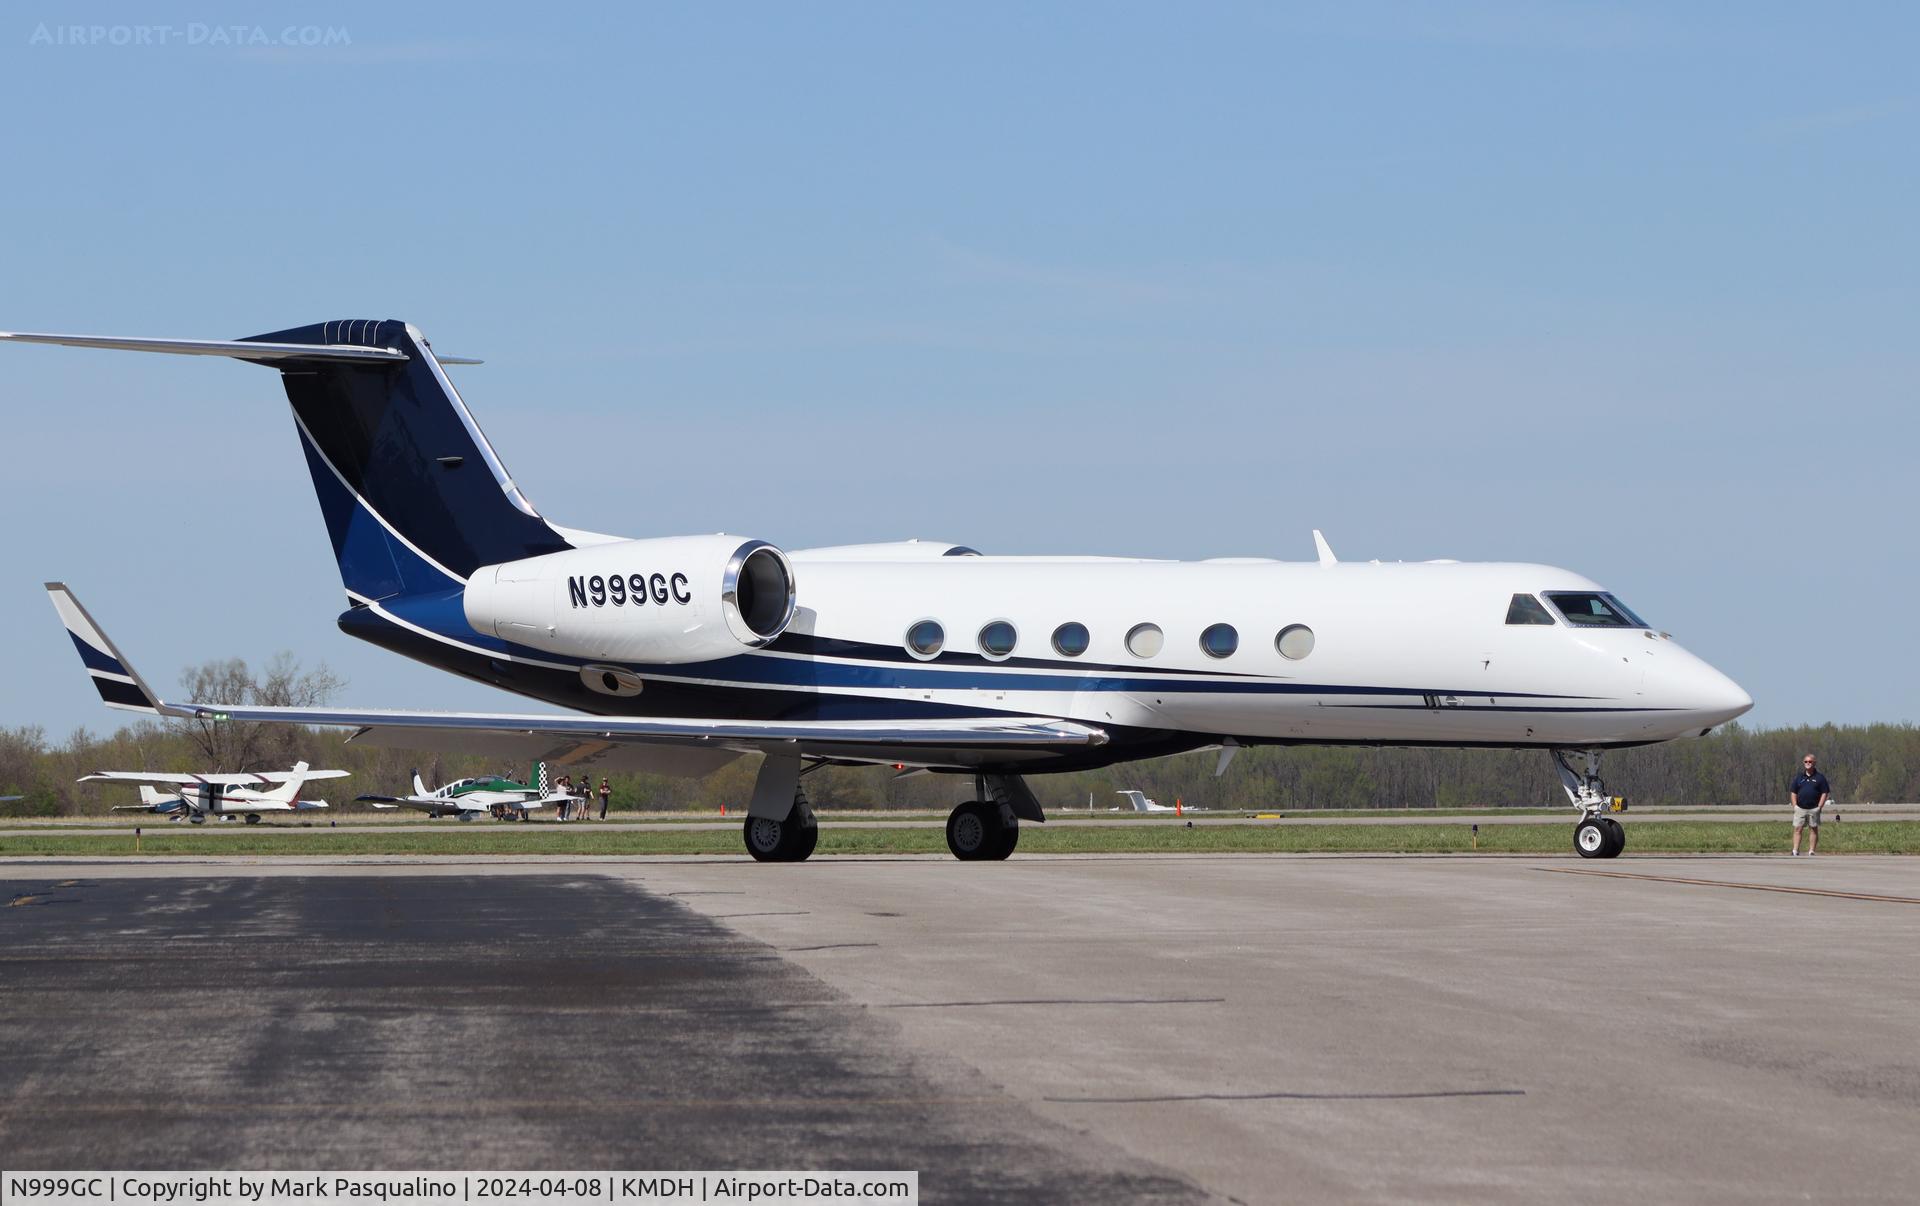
(239, 348)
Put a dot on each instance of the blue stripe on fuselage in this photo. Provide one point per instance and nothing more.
(443, 615)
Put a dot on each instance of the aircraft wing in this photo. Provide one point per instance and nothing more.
(169, 777)
(660, 744)
(303, 776)
(419, 803)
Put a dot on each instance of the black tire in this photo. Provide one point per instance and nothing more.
(1009, 838)
(971, 832)
(1616, 837)
(253, 818)
(1591, 840)
(805, 838)
(766, 839)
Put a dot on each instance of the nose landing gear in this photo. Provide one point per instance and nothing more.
(1595, 835)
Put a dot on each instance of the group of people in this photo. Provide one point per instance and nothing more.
(577, 810)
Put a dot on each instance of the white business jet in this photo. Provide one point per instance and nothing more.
(680, 654)
(197, 797)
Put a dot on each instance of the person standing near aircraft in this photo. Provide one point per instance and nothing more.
(1808, 795)
(606, 793)
(566, 785)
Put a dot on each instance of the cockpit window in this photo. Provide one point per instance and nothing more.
(1594, 609)
(1525, 609)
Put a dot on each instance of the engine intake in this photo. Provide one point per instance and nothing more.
(668, 601)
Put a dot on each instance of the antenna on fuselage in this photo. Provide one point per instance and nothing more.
(1325, 550)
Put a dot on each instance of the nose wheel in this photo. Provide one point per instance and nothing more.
(1599, 837)
(1595, 836)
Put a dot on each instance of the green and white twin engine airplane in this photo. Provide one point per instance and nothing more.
(470, 798)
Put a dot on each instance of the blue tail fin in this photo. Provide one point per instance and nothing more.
(414, 497)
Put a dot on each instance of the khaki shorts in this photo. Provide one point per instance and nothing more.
(1803, 817)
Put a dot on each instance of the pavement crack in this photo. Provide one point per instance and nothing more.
(1159, 1098)
(1058, 1001)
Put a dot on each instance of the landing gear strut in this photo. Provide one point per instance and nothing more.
(1595, 835)
(780, 825)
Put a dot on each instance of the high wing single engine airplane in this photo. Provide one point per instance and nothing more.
(197, 797)
(470, 798)
(686, 652)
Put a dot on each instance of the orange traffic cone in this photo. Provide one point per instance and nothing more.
(1176, 806)
(723, 810)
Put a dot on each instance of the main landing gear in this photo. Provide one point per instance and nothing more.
(1595, 835)
(989, 827)
(781, 827)
(789, 836)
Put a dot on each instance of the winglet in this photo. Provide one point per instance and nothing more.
(118, 684)
(1325, 550)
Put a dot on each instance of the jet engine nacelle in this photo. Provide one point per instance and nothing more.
(672, 600)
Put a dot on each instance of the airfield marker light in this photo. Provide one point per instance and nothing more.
(136, 839)
(1476, 836)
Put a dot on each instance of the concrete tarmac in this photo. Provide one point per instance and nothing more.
(360, 822)
(1133, 1028)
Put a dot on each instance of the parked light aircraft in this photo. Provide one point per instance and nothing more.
(470, 798)
(1140, 803)
(197, 797)
(688, 652)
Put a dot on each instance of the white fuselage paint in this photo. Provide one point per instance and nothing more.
(1403, 652)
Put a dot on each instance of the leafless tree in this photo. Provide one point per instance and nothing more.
(242, 746)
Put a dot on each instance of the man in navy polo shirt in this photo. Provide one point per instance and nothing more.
(1808, 793)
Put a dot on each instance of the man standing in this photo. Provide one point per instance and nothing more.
(1808, 793)
(606, 793)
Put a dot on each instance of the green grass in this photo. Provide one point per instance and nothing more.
(1690, 837)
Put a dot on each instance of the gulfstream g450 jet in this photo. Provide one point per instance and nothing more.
(678, 654)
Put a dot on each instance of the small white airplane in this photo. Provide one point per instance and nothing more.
(688, 652)
(197, 797)
(1141, 804)
(471, 798)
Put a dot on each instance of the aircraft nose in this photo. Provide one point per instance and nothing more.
(1707, 696)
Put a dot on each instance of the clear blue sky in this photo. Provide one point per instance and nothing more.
(1625, 288)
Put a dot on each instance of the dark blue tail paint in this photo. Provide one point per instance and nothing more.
(413, 495)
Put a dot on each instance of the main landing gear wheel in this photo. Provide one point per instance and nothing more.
(253, 818)
(789, 841)
(976, 832)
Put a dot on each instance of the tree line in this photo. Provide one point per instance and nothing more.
(1866, 763)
